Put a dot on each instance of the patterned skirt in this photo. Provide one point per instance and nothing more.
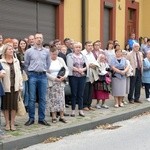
(55, 99)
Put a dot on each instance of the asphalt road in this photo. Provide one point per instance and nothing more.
(133, 134)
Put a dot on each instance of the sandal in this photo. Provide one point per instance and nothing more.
(54, 120)
(13, 128)
(7, 127)
(63, 120)
(121, 105)
(116, 105)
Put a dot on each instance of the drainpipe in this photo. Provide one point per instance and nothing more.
(83, 18)
(37, 15)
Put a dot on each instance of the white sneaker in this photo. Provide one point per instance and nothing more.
(148, 99)
(124, 102)
(98, 106)
(104, 106)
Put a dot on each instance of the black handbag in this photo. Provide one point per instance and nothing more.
(61, 72)
(84, 65)
(102, 78)
(67, 89)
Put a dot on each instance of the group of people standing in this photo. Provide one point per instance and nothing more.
(41, 71)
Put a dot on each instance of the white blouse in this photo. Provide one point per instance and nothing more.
(55, 67)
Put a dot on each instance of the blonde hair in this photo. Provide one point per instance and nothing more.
(5, 49)
(77, 43)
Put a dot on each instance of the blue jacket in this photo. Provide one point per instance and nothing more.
(146, 71)
(1, 87)
(131, 42)
(121, 66)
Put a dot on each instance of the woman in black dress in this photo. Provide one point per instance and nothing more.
(12, 83)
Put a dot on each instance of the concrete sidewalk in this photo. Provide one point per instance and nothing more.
(26, 136)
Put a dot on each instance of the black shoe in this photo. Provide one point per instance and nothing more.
(44, 122)
(29, 122)
(131, 101)
(67, 106)
(65, 114)
(137, 101)
(72, 115)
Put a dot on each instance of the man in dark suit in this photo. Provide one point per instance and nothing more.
(69, 44)
(136, 60)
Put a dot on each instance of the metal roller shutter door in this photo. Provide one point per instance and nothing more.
(46, 21)
(17, 18)
(20, 18)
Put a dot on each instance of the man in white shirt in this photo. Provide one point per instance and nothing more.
(92, 63)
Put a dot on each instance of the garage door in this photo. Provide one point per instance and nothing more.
(46, 21)
(20, 18)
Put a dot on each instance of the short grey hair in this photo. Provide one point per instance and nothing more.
(136, 44)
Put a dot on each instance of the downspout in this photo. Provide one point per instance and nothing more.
(37, 16)
(83, 20)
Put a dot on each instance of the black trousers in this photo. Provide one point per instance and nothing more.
(135, 86)
(147, 88)
(87, 96)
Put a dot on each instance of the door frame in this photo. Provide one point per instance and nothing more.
(133, 5)
(112, 5)
(60, 21)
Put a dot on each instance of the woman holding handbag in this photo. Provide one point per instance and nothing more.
(56, 74)
(12, 83)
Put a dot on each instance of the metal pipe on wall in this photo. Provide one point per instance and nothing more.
(83, 20)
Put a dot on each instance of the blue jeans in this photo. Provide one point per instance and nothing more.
(39, 82)
(0, 102)
(77, 85)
